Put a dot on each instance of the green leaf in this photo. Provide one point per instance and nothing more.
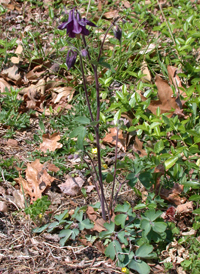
(40, 229)
(110, 229)
(152, 215)
(196, 211)
(192, 184)
(140, 206)
(82, 120)
(109, 178)
(62, 216)
(123, 208)
(77, 131)
(140, 266)
(194, 198)
(85, 224)
(120, 219)
(65, 233)
(144, 250)
(145, 225)
(170, 162)
(159, 146)
(145, 179)
(122, 237)
(159, 227)
(112, 249)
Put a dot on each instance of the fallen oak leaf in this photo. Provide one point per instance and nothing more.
(37, 180)
(50, 142)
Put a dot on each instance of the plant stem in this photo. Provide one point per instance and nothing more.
(85, 88)
(114, 176)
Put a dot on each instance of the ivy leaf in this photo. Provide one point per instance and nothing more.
(140, 266)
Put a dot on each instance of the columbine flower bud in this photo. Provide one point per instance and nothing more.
(71, 58)
(84, 52)
(118, 33)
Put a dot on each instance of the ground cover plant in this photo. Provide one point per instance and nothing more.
(99, 111)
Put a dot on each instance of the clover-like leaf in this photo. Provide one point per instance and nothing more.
(110, 229)
(144, 251)
(140, 266)
(112, 249)
(120, 219)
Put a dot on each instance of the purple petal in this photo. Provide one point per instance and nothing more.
(63, 25)
(76, 27)
(87, 22)
(85, 31)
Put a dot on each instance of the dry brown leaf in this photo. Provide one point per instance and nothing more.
(126, 4)
(137, 147)
(98, 222)
(72, 186)
(66, 92)
(3, 85)
(18, 198)
(171, 195)
(110, 138)
(12, 74)
(185, 208)
(12, 143)
(53, 168)
(111, 14)
(50, 142)
(175, 80)
(3, 206)
(37, 180)
(18, 51)
(146, 72)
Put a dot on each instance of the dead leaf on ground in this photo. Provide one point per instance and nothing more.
(145, 71)
(12, 143)
(18, 198)
(175, 80)
(72, 186)
(111, 14)
(53, 168)
(110, 138)
(166, 103)
(12, 74)
(37, 180)
(126, 4)
(172, 195)
(185, 208)
(18, 51)
(66, 92)
(137, 147)
(50, 142)
(3, 85)
(94, 217)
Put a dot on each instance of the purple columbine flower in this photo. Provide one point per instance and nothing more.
(71, 58)
(118, 33)
(76, 24)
